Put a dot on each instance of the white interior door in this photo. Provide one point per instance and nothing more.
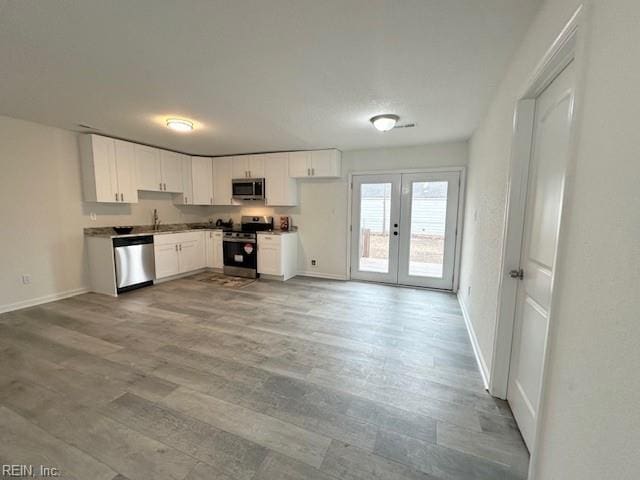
(542, 219)
(376, 218)
(428, 229)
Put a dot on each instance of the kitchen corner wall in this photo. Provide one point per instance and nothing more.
(323, 210)
(42, 213)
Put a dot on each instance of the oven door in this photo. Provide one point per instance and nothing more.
(240, 257)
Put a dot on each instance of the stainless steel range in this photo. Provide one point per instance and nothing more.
(241, 246)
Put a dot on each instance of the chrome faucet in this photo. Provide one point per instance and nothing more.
(156, 219)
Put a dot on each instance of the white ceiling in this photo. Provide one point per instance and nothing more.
(258, 75)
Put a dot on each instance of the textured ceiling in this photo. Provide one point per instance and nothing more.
(258, 75)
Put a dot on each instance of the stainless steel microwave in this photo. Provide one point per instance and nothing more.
(247, 188)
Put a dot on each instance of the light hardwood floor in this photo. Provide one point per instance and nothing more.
(308, 379)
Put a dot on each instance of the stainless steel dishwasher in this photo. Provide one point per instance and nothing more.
(135, 264)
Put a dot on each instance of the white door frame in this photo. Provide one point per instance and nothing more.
(568, 46)
(461, 205)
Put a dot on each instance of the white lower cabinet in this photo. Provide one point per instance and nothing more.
(178, 253)
(278, 254)
(213, 249)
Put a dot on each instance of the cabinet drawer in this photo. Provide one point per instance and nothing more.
(273, 241)
(168, 238)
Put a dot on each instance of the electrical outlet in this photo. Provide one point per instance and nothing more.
(26, 279)
(314, 263)
(93, 216)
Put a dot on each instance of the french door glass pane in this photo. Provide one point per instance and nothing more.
(375, 208)
(428, 221)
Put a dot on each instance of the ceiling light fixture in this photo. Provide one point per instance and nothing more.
(179, 125)
(385, 122)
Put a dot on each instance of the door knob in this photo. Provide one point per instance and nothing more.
(519, 274)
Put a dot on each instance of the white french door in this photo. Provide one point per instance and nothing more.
(404, 228)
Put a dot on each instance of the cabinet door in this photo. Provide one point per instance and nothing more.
(186, 198)
(269, 260)
(222, 176)
(241, 166)
(125, 154)
(256, 166)
(209, 247)
(281, 190)
(325, 163)
(299, 164)
(191, 255)
(202, 178)
(105, 170)
(148, 172)
(171, 169)
(218, 255)
(166, 257)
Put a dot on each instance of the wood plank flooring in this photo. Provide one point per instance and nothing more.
(308, 379)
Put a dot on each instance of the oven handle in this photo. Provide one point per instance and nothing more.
(238, 240)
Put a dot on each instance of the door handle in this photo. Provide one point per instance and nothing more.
(519, 274)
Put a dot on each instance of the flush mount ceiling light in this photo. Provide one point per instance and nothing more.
(179, 124)
(385, 122)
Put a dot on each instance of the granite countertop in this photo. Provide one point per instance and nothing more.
(278, 232)
(109, 232)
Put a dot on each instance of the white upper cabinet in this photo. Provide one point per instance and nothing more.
(248, 166)
(240, 166)
(256, 166)
(126, 171)
(186, 197)
(299, 164)
(222, 176)
(171, 171)
(102, 181)
(280, 189)
(316, 164)
(202, 176)
(148, 170)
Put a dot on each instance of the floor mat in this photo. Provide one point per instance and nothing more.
(225, 281)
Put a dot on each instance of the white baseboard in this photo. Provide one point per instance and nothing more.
(40, 300)
(482, 365)
(328, 276)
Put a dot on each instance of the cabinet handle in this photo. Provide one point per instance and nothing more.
(313, 172)
(160, 186)
(180, 247)
(211, 200)
(186, 200)
(116, 196)
(165, 187)
(176, 247)
(308, 172)
(122, 197)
